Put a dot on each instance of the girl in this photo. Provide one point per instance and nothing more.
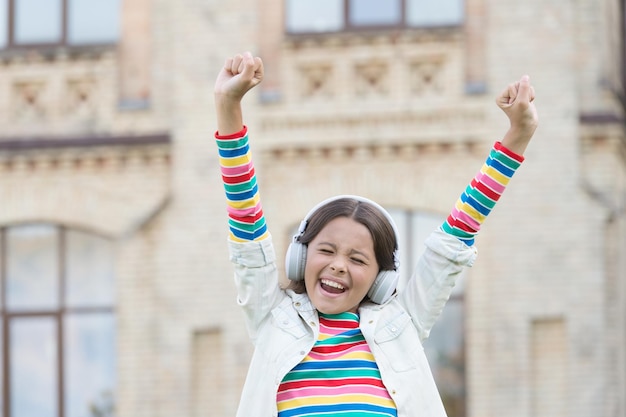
(340, 340)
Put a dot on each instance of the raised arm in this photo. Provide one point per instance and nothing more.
(481, 195)
(246, 220)
(450, 248)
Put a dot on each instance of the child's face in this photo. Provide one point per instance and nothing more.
(340, 266)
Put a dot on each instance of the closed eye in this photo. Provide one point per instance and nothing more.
(325, 249)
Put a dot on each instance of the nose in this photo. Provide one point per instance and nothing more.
(338, 266)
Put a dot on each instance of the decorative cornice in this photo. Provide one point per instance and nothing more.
(372, 36)
(38, 53)
(38, 143)
(368, 152)
(602, 118)
(91, 153)
(417, 119)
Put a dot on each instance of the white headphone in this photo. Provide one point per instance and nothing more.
(386, 281)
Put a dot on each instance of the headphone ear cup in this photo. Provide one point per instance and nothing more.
(295, 260)
(383, 287)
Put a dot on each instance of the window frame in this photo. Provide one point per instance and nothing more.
(349, 26)
(63, 41)
(57, 314)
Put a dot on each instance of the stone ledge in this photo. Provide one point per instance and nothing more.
(111, 185)
(37, 143)
(96, 153)
(371, 151)
(369, 36)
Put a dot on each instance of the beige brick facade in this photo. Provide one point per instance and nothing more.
(119, 142)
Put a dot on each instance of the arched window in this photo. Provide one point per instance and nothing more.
(445, 347)
(58, 322)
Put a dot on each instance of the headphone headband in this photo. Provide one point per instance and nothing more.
(361, 199)
(380, 208)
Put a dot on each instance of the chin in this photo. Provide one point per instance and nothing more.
(327, 309)
(333, 309)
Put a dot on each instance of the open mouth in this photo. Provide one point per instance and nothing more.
(332, 286)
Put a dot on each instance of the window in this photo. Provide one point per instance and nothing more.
(58, 22)
(57, 323)
(434, 12)
(374, 12)
(445, 347)
(310, 16)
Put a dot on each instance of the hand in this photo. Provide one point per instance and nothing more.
(239, 74)
(517, 102)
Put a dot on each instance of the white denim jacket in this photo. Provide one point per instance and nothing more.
(284, 325)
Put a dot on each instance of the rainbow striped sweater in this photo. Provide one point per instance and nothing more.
(340, 376)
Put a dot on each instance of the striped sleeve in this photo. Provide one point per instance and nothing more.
(245, 215)
(481, 195)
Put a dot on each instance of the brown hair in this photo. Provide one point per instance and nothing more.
(381, 230)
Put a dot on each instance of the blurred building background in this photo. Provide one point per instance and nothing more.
(116, 293)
